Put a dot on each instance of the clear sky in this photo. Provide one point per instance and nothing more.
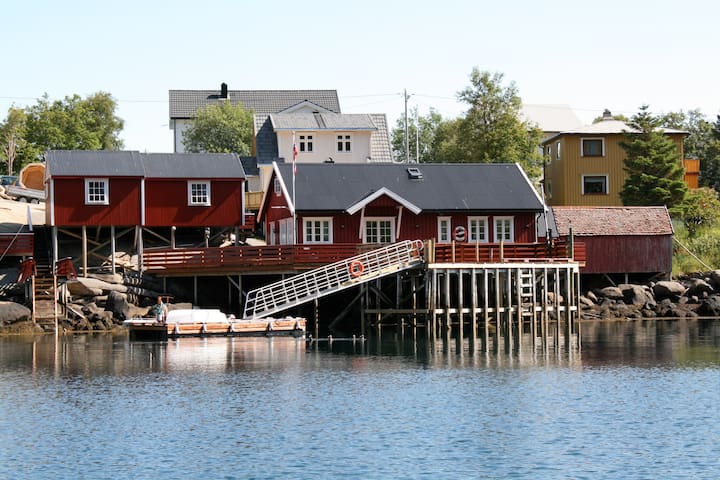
(589, 55)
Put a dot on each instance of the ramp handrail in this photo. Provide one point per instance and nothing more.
(331, 278)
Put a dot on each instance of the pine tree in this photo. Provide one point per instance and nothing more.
(653, 165)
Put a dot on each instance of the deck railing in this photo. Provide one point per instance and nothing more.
(305, 257)
(16, 244)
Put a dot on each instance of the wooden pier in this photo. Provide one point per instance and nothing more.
(479, 301)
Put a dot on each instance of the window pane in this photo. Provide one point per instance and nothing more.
(592, 147)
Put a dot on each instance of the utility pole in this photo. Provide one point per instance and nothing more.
(407, 138)
(417, 137)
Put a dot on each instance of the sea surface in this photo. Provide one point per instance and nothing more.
(631, 400)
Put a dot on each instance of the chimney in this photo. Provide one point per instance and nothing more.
(223, 90)
(607, 115)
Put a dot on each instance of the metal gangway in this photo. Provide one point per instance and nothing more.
(275, 297)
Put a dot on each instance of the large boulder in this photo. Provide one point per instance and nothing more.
(668, 289)
(612, 293)
(698, 288)
(638, 295)
(80, 289)
(710, 307)
(117, 304)
(11, 312)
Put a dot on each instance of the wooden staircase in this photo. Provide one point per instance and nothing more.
(44, 297)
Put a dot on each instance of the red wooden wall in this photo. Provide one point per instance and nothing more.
(166, 204)
(627, 254)
(70, 208)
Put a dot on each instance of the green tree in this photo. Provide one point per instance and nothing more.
(421, 130)
(701, 209)
(653, 165)
(74, 123)
(492, 130)
(220, 128)
(12, 136)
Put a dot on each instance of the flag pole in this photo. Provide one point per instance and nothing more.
(294, 172)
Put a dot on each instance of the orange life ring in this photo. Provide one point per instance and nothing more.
(356, 268)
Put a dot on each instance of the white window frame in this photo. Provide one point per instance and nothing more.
(444, 238)
(472, 235)
(367, 220)
(344, 143)
(497, 231)
(597, 175)
(105, 200)
(306, 143)
(594, 139)
(198, 203)
(310, 222)
(277, 188)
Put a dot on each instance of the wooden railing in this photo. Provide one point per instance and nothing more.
(495, 252)
(305, 257)
(16, 244)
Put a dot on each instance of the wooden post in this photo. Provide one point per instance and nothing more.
(497, 307)
(195, 295)
(474, 300)
(363, 305)
(447, 300)
(84, 251)
(55, 256)
(461, 315)
(317, 318)
(112, 248)
(509, 316)
(486, 314)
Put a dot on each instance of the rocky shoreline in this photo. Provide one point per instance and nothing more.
(100, 303)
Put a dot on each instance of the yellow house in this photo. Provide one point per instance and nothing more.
(585, 166)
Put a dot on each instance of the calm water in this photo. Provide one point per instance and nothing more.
(637, 400)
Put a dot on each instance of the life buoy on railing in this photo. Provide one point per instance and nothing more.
(459, 233)
(356, 268)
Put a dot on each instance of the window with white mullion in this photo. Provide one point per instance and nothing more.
(504, 229)
(317, 230)
(198, 193)
(477, 230)
(96, 191)
(379, 230)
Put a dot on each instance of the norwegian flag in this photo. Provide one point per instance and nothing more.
(295, 154)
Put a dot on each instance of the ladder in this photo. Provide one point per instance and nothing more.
(331, 278)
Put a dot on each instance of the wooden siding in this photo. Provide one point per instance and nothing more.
(692, 172)
(17, 245)
(70, 208)
(627, 254)
(565, 174)
(166, 204)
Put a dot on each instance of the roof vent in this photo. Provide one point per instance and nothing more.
(223, 90)
(414, 173)
(607, 115)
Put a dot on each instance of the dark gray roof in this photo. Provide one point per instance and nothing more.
(106, 163)
(184, 103)
(266, 147)
(380, 150)
(250, 166)
(192, 165)
(94, 163)
(444, 187)
(321, 121)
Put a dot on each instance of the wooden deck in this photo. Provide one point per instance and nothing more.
(298, 258)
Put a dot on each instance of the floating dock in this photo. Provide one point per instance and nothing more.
(206, 323)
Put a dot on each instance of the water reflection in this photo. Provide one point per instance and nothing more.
(657, 342)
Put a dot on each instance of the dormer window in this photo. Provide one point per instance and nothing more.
(344, 142)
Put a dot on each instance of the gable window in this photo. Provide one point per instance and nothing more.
(96, 191)
(306, 143)
(379, 230)
(344, 142)
(443, 235)
(276, 187)
(504, 229)
(317, 229)
(594, 184)
(199, 193)
(592, 147)
(477, 229)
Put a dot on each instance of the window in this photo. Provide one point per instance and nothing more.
(594, 184)
(199, 193)
(318, 230)
(443, 230)
(287, 236)
(276, 187)
(557, 150)
(504, 231)
(592, 147)
(379, 230)
(96, 191)
(548, 151)
(344, 142)
(477, 229)
(306, 143)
